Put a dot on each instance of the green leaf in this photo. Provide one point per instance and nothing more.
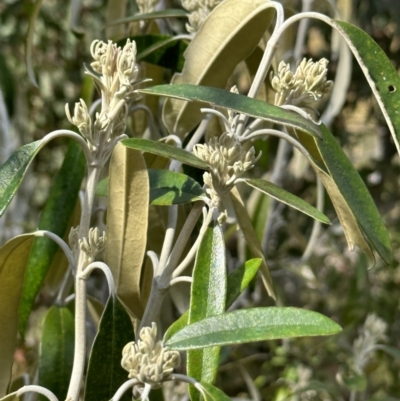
(224, 40)
(240, 278)
(207, 298)
(162, 50)
(105, 374)
(212, 393)
(55, 217)
(356, 382)
(354, 191)
(248, 325)
(162, 149)
(13, 171)
(57, 351)
(392, 351)
(379, 71)
(171, 13)
(13, 258)
(286, 197)
(170, 188)
(243, 104)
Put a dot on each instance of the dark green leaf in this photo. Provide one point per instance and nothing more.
(7, 84)
(55, 217)
(243, 104)
(355, 193)
(207, 298)
(286, 197)
(162, 149)
(171, 13)
(170, 188)
(392, 351)
(240, 278)
(57, 351)
(102, 187)
(248, 325)
(212, 393)
(105, 374)
(13, 171)
(379, 71)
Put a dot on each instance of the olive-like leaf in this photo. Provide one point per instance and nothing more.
(170, 13)
(13, 257)
(223, 41)
(128, 207)
(29, 41)
(251, 238)
(242, 104)
(248, 325)
(286, 197)
(162, 149)
(105, 374)
(13, 171)
(211, 393)
(57, 351)
(382, 77)
(55, 217)
(207, 298)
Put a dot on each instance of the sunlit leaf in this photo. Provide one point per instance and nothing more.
(170, 13)
(248, 325)
(224, 40)
(379, 71)
(162, 149)
(243, 104)
(105, 374)
(57, 351)
(286, 197)
(127, 213)
(55, 217)
(207, 298)
(13, 257)
(212, 393)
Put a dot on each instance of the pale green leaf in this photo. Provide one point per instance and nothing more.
(248, 325)
(212, 393)
(170, 13)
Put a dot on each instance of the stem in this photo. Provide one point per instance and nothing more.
(80, 289)
(37, 389)
(169, 238)
(105, 269)
(181, 279)
(127, 385)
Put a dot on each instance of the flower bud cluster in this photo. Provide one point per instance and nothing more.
(227, 160)
(90, 246)
(307, 84)
(147, 360)
(199, 11)
(115, 72)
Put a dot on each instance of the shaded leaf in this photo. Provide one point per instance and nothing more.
(251, 238)
(29, 42)
(13, 257)
(105, 374)
(243, 104)
(170, 13)
(127, 214)
(55, 217)
(382, 77)
(286, 197)
(57, 351)
(356, 382)
(162, 149)
(392, 351)
(10, 397)
(207, 298)
(248, 325)
(223, 41)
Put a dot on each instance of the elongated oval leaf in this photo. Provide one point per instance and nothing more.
(13, 171)
(105, 374)
(128, 207)
(170, 188)
(212, 393)
(355, 193)
(382, 77)
(225, 39)
(55, 217)
(13, 257)
(207, 298)
(286, 197)
(162, 149)
(257, 324)
(251, 238)
(170, 13)
(57, 351)
(243, 104)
